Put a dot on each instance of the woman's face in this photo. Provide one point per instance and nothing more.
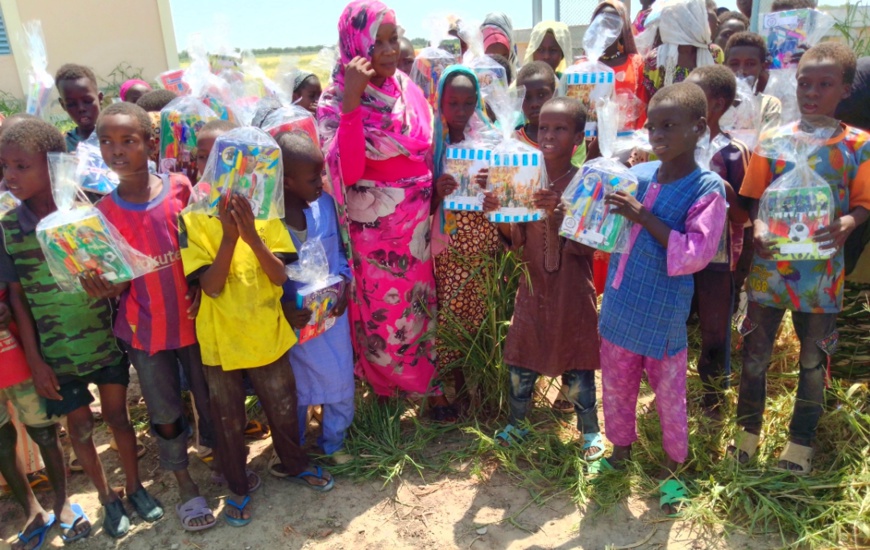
(549, 51)
(385, 55)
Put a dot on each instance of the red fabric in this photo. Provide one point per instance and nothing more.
(13, 364)
(600, 264)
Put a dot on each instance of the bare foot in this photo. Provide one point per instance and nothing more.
(621, 454)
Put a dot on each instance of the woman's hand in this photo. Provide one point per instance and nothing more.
(357, 75)
(445, 185)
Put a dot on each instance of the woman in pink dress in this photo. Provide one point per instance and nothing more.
(376, 132)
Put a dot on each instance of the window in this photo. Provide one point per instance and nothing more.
(4, 37)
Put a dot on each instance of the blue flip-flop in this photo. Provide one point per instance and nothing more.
(80, 515)
(38, 533)
(238, 522)
(318, 474)
(593, 440)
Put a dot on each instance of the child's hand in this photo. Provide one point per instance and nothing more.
(44, 379)
(445, 185)
(244, 216)
(194, 295)
(341, 304)
(297, 318)
(228, 222)
(490, 202)
(764, 247)
(547, 200)
(833, 237)
(357, 75)
(481, 178)
(625, 205)
(96, 286)
(5, 316)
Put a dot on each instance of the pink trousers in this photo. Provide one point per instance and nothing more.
(621, 371)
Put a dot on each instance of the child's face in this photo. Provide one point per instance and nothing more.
(303, 179)
(385, 56)
(745, 61)
(204, 145)
(124, 146)
(820, 87)
(307, 95)
(716, 106)
(549, 51)
(557, 136)
(406, 57)
(81, 100)
(539, 90)
(672, 131)
(727, 29)
(458, 102)
(25, 172)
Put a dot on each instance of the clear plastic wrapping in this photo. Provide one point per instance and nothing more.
(431, 62)
(321, 291)
(289, 118)
(77, 239)
(39, 81)
(743, 119)
(180, 120)
(247, 162)
(7, 202)
(96, 176)
(799, 202)
(587, 217)
(491, 75)
(787, 32)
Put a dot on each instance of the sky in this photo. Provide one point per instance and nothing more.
(288, 23)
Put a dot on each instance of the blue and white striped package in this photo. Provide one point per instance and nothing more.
(463, 163)
(516, 171)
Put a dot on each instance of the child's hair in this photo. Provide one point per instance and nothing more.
(729, 15)
(297, 147)
(505, 63)
(749, 40)
(132, 110)
(72, 72)
(155, 100)
(719, 80)
(837, 52)
(12, 120)
(575, 109)
(218, 126)
(405, 42)
(784, 5)
(34, 135)
(536, 69)
(685, 94)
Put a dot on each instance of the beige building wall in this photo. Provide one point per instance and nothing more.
(98, 33)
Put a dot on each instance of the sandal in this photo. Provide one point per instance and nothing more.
(593, 441)
(673, 493)
(600, 466)
(796, 459)
(117, 522)
(219, 479)
(273, 462)
(146, 506)
(237, 522)
(74, 464)
(38, 533)
(67, 528)
(195, 508)
(318, 473)
(256, 430)
(744, 446)
(443, 414)
(510, 435)
(563, 406)
(140, 447)
(37, 479)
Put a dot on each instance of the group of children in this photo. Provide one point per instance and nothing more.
(220, 311)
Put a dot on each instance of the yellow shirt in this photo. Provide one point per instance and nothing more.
(244, 327)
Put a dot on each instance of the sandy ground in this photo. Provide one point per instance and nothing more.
(454, 511)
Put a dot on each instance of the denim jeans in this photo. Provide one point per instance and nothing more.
(818, 338)
(579, 387)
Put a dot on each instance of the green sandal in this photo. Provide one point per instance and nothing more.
(673, 493)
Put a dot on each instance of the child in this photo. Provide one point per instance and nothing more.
(714, 287)
(679, 215)
(67, 337)
(466, 238)
(133, 89)
(80, 97)
(306, 90)
(155, 100)
(811, 290)
(205, 139)
(559, 272)
(407, 54)
(746, 56)
(639, 24)
(730, 23)
(239, 263)
(322, 366)
(156, 312)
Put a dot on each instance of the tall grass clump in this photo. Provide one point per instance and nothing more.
(854, 28)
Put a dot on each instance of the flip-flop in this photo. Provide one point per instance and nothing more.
(37, 479)
(673, 493)
(593, 441)
(65, 527)
(238, 522)
(39, 533)
(600, 466)
(563, 406)
(317, 474)
(256, 430)
(219, 479)
(195, 508)
(510, 435)
(146, 506)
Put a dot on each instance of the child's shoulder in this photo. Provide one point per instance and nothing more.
(710, 182)
(856, 138)
(646, 171)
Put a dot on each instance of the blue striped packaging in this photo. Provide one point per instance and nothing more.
(463, 163)
(514, 177)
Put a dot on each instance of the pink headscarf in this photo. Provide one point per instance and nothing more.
(125, 87)
(396, 116)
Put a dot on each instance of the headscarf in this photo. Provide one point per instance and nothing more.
(396, 116)
(125, 87)
(683, 23)
(298, 77)
(501, 22)
(563, 38)
(627, 37)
